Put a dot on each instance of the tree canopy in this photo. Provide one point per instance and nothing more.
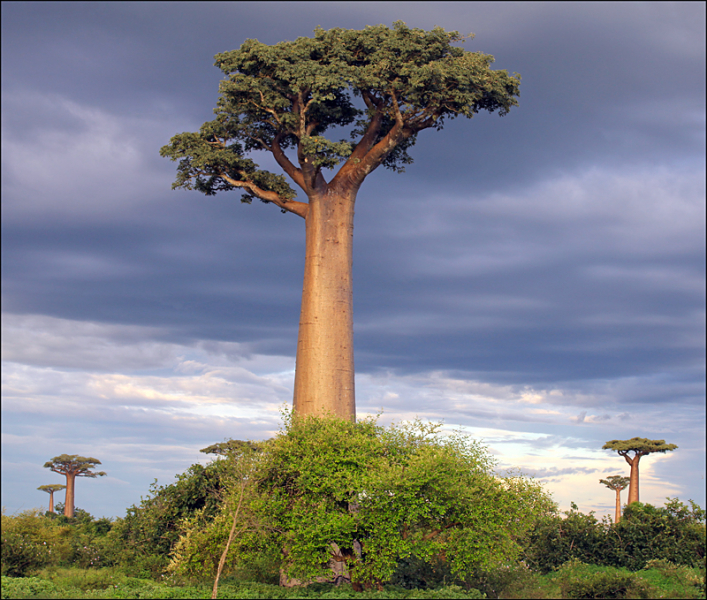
(50, 489)
(616, 482)
(640, 446)
(290, 94)
(232, 447)
(75, 465)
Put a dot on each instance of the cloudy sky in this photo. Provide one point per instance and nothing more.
(537, 279)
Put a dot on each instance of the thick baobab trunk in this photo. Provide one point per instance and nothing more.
(633, 485)
(69, 500)
(324, 377)
(51, 500)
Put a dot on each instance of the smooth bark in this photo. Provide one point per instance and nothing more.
(633, 486)
(324, 376)
(617, 516)
(69, 501)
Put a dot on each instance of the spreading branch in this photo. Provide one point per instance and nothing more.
(289, 95)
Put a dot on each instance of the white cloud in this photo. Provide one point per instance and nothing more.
(81, 387)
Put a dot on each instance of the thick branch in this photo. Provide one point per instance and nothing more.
(629, 460)
(396, 109)
(298, 208)
(358, 172)
(286, 164)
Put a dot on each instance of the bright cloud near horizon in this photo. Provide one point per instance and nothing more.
(537, 280)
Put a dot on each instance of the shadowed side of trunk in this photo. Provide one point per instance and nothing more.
(324, 378)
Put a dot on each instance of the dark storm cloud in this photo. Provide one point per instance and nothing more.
(483, 287)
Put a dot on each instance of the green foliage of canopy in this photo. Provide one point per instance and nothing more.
(54, 487)
(641, 446)
(233, 448)
(73, 464)
(399, 492)
(290, 94)
(616, 482)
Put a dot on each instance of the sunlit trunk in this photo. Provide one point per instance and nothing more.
(324, 376)
(633, 486)
(69, 502)
(617, 517)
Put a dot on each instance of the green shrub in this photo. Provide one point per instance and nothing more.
(578, 580)
(328, 485)
(556, 539)
(677, 581)
(27, 543)
(511, 580)
(23, 587)
(674, 532)
(143, 540)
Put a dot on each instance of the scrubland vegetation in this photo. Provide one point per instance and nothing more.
(398, 512)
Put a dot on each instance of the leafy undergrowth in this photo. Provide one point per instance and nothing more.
(106, 583)
(660, 579)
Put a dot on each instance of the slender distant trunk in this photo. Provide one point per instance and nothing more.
(617, 517)
(324, 376)
(69, 502)
(51, 500)
(633, 485)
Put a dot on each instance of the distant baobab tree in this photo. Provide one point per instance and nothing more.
(286, 97)
(72, 466)
(640, 447)
(616, 483)
(50, 489)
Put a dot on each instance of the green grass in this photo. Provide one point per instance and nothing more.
(108, 583)
(661, 580)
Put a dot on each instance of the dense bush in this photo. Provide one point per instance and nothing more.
(148, 533)
(675, 532)
(31, 542)
(403, 505)
(369, 497)
(555, 540)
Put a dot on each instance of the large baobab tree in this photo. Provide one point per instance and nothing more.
(640, 447)
(283, 99)
(50, 489)
(616, 483)
(73, 466)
